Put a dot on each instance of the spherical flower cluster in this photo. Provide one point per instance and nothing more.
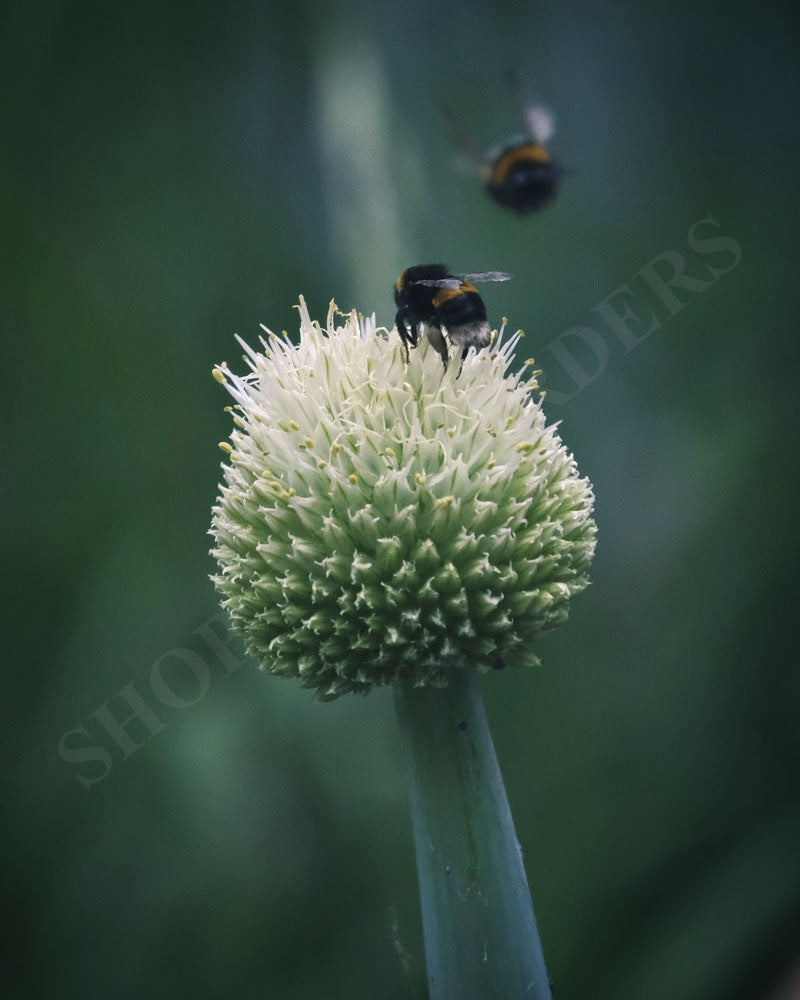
(385, 520)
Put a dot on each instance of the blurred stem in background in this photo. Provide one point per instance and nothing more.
(481, 939)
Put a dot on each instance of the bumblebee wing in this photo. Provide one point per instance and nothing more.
(468, 165)
(484, 276)
(469, 158)
(540, 122)
(454, 281)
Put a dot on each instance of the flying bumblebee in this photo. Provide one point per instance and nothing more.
(429, 295)
(520, 174)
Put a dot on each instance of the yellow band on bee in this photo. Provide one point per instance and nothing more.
(513, 157)
(453, 293)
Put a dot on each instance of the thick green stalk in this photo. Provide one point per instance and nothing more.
(481, 939)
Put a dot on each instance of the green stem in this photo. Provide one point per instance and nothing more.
(481, 939)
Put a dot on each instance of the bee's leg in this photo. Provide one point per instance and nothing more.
(463, 359)
(438, 342)
(408, 334)
(404, 343)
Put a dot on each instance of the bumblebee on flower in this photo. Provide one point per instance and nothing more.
(381, 521)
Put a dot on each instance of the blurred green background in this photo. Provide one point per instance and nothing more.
(173, 174)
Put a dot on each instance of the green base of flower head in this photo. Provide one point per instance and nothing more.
(383, 520)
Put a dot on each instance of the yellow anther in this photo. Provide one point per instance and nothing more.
(445, 501)
(294, 425)
(276, 486)
(419, 478)
(390, 452)
(353, 478)
(322, 463)
(224, 446)
(217, 375)
(309, 443)
(491, 463)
